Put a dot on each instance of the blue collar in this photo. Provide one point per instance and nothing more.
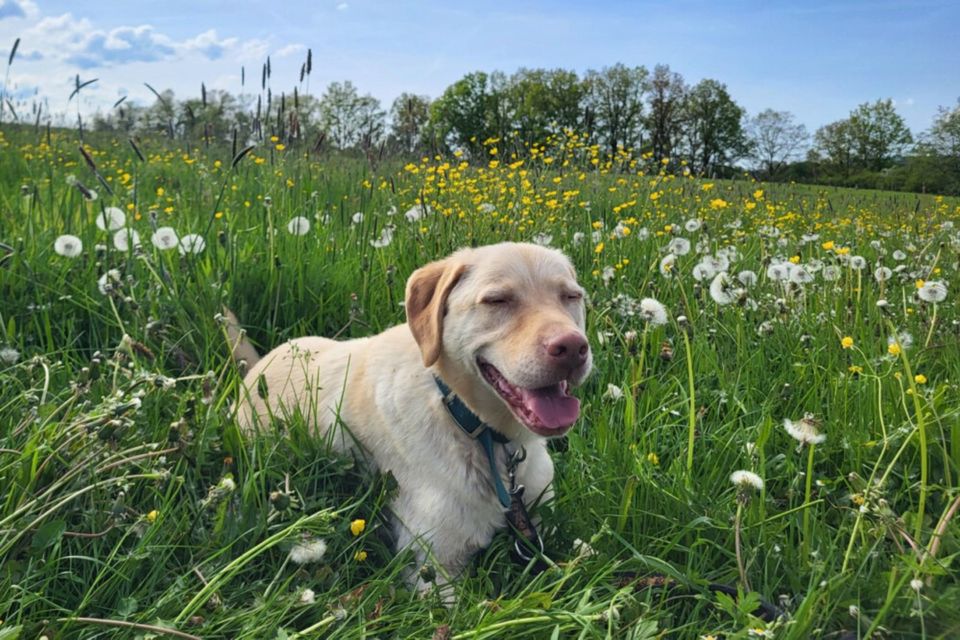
(471, 424)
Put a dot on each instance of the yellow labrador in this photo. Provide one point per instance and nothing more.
(502, 326)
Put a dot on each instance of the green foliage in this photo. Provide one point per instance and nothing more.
(129, 497)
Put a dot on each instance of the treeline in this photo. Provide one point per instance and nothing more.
(654, 114)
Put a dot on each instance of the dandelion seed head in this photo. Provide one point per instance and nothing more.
(308, 551)
(9, 355)
(192, 243)
(746, 480)
(111, 219)
(68, 246)
(125, 238)
(165, 238)
(805, 430)
(653, 312)
(933, 291)
(298, 226)
(679, 246)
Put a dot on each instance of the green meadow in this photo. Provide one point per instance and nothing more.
(811, 337)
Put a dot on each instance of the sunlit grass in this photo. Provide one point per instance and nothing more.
(130, 496)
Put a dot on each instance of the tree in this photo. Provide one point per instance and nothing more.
(713, 127)
(879, 134)
(544, 102)
(470, 111)
(615, 100)
(943, 137)
(666, 92)
(775, 139)
(348, 118)
(835, 142)
(409, 116)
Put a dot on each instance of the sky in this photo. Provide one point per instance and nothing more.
(818, 59)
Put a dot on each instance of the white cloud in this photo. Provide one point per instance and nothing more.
(289, 50)
(343, 6)
(55, 49)
(18, 9)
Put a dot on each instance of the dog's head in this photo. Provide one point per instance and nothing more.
(504, 325)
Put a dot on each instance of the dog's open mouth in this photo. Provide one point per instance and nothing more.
(547, 411)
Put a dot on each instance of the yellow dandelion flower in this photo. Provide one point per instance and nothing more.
(152, 516)
(357, 526)
(920, 378)
(894, 348)
(847, 342)
(360, 556)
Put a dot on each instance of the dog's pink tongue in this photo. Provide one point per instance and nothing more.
(552, 406)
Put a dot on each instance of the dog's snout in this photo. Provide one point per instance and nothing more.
(570, 349)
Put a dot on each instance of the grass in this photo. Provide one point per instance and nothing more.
(132, 506)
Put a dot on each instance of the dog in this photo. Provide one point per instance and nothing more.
(496, 333)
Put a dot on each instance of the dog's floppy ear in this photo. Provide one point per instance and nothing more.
(426, 299)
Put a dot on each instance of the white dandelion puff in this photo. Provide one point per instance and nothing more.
(308, 551)
(667, 265)
(386, 237)
(858, 262)
(804, 431)
(543, 239)
(298, 226)
(192, 243)
(882, 274)
(899, 255)
(721, 289)
(679, 246)
(106, 282)
(746, 480)
(111, 219)
(307, 596)
(125, 238)
(831, 273)
(779, 271)
(747, 278)
(613, 392)
(165, 238)
(703, 271)
(653, 312)
(799, 275)
(357, 217)
(578, 238)
(418, 210)
(692, 225)
(68, 246)
(933, 291)
(9, 355)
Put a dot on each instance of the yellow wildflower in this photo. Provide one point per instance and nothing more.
(357, 526)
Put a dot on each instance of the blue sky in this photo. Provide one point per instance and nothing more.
(818, 59)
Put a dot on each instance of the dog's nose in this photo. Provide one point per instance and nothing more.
(569, 349)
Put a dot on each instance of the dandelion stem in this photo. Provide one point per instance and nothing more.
(692, 421)
(922, 434)
(933, 324)
(808, 489)
(737, 546)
